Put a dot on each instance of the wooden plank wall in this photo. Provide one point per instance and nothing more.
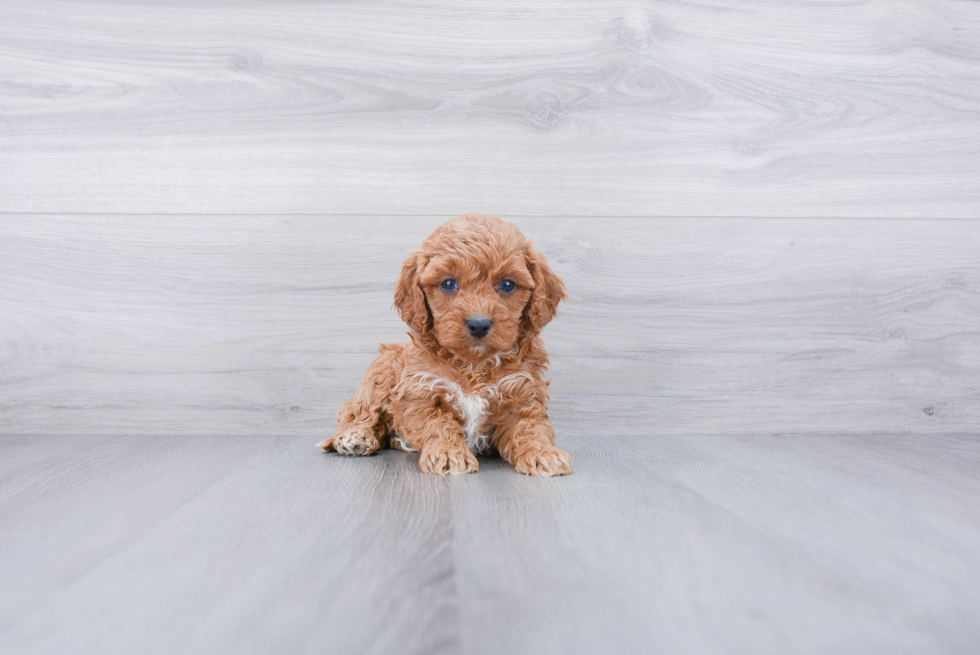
(765, 211)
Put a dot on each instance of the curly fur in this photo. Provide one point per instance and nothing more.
(445, 393)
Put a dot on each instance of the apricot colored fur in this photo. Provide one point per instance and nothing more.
(445, 386)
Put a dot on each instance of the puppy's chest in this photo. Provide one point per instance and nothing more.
(477, 406)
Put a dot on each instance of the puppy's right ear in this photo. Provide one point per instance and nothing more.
(409, 297)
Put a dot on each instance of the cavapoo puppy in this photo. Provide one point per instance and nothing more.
(471, 380)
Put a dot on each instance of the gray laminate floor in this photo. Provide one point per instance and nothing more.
(757, 544)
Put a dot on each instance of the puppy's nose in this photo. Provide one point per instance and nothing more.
(478, 326)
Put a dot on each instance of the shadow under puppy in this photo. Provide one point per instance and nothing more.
(476, 296)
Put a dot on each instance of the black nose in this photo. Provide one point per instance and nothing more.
(478, 326)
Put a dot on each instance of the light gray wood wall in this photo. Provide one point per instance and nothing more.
(245, 325)
(550, 107)
(765, 211)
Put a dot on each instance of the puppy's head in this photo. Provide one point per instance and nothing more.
(477, 286)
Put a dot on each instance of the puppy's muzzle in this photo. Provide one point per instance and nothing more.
(479, 326)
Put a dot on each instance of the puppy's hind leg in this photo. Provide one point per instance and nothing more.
(355, 434)
(362, 422)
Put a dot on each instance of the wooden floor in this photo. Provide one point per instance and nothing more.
(674, 544)
(767, 214)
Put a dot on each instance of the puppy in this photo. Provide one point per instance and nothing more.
(471, 380)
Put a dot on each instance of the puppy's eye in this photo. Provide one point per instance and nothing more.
(507, 286)
(449, 285)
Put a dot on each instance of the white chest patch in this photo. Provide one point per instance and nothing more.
(474, 410)
(473, 406)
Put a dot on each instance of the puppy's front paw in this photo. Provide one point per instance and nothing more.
(543, 460)
(448, 459)
(352, 441)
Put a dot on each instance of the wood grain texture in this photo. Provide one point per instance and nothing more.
(728, 544)
(239, 325)
(550, 108)
(170, 545)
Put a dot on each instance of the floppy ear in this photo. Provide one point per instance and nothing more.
(548, 291)
(409, 297)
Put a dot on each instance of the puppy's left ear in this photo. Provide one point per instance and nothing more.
(548, 291)
(409, 297)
